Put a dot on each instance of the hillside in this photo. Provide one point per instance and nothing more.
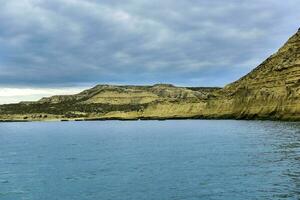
(107, 101)
(270, 91)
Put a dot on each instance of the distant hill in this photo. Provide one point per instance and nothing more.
(270, 91)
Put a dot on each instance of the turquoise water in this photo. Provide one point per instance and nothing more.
(150, 160)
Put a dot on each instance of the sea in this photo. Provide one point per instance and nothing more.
(150, 160)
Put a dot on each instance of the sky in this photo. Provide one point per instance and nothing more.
(64, 46)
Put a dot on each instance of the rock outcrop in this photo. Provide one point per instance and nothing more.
(270, 91)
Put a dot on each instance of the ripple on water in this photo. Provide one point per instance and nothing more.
(150, 160)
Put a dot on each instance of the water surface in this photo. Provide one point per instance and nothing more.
(150, 160)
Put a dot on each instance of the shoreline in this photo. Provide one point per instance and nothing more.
(153, 119)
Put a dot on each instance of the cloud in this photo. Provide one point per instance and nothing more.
(15, 95)
(75, 42)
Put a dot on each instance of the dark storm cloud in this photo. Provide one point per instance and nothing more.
(65, 42)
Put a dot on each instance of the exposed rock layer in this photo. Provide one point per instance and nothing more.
(270, 91)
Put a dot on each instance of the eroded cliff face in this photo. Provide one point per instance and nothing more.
(270, 91)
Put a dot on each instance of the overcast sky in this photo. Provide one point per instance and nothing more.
(63, 46)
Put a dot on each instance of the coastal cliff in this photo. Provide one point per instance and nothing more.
(270, 91)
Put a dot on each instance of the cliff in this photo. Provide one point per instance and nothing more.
(270, 91)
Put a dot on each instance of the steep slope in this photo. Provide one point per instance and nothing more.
(272, 90)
